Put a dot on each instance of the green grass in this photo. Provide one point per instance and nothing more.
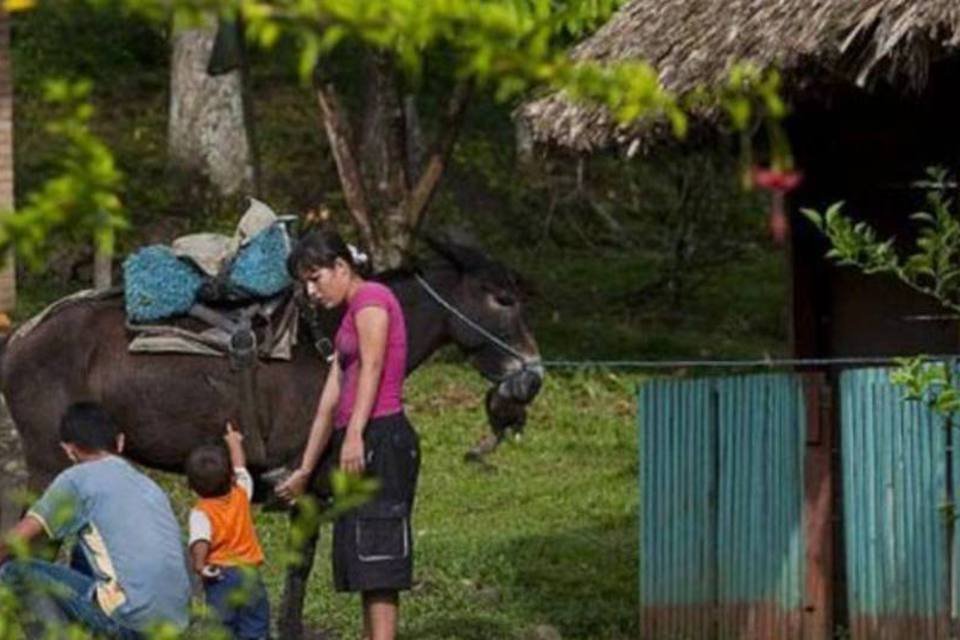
(545, 535)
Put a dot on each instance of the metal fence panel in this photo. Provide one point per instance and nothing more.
(721, 488)
(894, 462)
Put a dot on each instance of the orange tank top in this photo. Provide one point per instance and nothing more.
(233, 540)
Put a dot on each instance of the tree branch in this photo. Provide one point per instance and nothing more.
(338, 133)
(419, 199)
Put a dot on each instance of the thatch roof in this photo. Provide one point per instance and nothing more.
(693, 42)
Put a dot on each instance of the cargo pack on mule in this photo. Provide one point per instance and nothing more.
(219, 296)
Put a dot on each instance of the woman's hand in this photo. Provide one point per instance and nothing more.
(352, 454)
(294, 486)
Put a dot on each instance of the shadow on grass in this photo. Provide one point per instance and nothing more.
(461, 627)
(581, 581)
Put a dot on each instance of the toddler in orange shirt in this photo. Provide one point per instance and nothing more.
(224, 549)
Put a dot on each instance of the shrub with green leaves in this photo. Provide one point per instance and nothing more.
(82, 200)
(931, 268)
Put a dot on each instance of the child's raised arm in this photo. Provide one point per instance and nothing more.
(234, 440)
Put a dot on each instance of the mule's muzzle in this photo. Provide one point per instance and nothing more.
(524, 385)
(504, 413)
(506, 403)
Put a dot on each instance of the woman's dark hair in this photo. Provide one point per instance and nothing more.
(89, 426)
(208, 471)
(321, 248)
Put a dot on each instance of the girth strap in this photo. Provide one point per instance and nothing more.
(243, 361)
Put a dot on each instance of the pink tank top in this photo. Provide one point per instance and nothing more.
(389, 398)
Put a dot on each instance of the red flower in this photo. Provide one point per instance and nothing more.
(779, 183)
(776, 180)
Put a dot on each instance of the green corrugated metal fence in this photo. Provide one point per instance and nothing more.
(721, 487)
(894, 458)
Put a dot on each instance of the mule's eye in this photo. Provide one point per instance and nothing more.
(504, 300)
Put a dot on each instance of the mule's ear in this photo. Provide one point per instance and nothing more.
(443, 249)
(411, 262)
(463, 257)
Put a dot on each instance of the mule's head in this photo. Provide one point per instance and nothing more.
(494, 297)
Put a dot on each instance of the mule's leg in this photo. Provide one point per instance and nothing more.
(9, 507)
(295, 584)
(39, 434)
(37, 481)
(38, 425)
(14, 492)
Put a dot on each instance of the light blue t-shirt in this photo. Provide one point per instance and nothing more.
(129, 535)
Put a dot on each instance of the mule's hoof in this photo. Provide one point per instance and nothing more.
(479, 451)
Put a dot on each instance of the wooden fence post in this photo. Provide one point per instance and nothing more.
(818, 509)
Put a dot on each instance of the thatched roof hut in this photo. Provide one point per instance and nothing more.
(816, 43)
(874, 87)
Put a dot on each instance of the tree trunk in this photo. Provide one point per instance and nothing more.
(8, 278)
(102, 269)
(384, 157)
(387, 180)
(415, 144)
(208, 129)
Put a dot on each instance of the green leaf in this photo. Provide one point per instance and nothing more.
(814, 217)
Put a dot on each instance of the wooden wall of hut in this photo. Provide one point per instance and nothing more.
(867, 149)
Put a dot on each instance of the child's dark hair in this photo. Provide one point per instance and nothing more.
(208, 471)
(321, 248)
(88, 425)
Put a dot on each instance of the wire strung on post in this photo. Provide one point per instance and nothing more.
(768, 363)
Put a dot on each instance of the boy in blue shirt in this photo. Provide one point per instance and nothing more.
(133, 573)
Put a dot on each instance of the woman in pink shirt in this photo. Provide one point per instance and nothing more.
(360, 425)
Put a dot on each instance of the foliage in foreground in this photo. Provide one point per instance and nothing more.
(510, 48)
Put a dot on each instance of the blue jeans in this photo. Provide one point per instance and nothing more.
(54, 596)
(240, 601)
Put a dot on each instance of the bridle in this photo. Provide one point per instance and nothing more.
(525, 363)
